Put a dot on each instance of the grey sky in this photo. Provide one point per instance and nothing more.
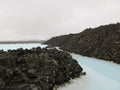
(42, 19)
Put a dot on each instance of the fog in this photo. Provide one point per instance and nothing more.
(42, 19)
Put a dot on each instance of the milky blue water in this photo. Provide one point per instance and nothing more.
(101, 75)
(104, 68)
(24, 46)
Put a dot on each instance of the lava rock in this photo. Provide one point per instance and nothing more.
(36, 69)
(102, 42)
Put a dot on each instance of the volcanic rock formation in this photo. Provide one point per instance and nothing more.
(36, 69)
(102, 42)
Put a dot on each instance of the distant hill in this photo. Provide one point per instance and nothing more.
(102, 42)
(19, 42)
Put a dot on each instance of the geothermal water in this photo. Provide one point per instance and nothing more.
(24, 46)
(100, 75)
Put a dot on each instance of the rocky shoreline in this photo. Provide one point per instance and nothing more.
(36, 69)
(102, 42)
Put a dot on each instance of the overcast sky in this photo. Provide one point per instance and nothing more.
(42, 19)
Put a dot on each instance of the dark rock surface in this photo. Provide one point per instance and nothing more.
(102, 42)
(36, 69)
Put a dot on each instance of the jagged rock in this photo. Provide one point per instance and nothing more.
(102, 42)
(36, 69)
(83, 73)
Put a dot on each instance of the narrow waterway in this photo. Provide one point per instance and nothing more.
(100, 75)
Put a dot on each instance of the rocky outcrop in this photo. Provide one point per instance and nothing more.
(36, 69)
(102, 42)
